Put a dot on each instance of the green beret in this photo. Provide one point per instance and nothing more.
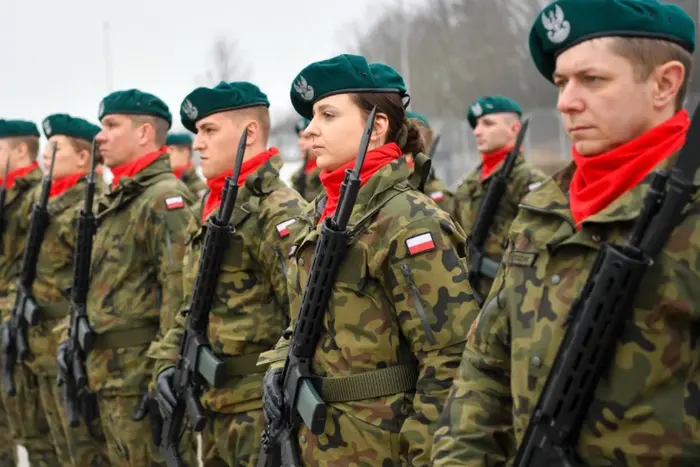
(134, 102)
(301, 125)
(179, 139)
(565, 23)
(15, 128)
(203, 102)
(64, 124)
(416, 116)
(340, 75)
(491, 105)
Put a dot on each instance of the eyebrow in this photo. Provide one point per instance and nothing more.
(582, 71)
(206, 126)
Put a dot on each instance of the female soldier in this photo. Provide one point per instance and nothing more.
(54, 274)
(400, 307)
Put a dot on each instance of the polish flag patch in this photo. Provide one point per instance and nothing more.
(283, 228)
(420, 243)
(437, 196)
(175, 202)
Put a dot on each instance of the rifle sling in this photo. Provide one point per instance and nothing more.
(369, 385)
(126, 338)
(243, 365)
(53, 310)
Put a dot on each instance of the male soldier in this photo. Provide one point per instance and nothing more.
(495, 121)
(136, 273)
(434, 187)
(72, 137)
(180, 150)
(306, 180)
(19, 142)
(621, 69)
(250, 305)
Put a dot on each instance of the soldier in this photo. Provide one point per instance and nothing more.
(250, 308)
(399, 301)
(135, 286)
(495, 121)
(306, 180)
(72, 138)
(180, 151)
(434, 187)
(19, 142)
(621, 69)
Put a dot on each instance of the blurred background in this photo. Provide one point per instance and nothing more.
(65, 56)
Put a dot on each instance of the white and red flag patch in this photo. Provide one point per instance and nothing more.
(437, 196)
(175, 202)
(283, 228)
(420, 243)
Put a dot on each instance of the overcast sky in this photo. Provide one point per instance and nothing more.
(53, 51)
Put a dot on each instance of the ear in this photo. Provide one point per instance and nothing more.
(381, 127)
(253, 128)
(668, 79)
(83, 159)
(515, 126)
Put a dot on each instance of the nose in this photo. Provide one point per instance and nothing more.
(198, 144)
(569, 100)
(101, 136)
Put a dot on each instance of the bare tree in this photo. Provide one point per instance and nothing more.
(225, 62)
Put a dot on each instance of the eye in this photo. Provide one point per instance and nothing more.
(592, 79)
(328, 115)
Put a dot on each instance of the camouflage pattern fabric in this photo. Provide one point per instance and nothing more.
(194, 183)
(471, 192)
(645, 409)
(8, 448)
(313, 183)
(135, 286)
(232, 440)
(401, 297)
(28, 426)
(250, 307)
(440, 194)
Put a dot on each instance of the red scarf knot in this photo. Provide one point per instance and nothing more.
(63, 184)
(601, 179)
(130, 169)
(374, 160)
(216, 184)
(489, 161)
(19, 173)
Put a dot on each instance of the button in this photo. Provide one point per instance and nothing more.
(536, 361)
(302, 439)
(301, 261)
(556, 279)
(596, 238)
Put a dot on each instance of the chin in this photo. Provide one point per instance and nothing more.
(591, 148)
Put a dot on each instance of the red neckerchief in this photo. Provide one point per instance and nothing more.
(490, 161)
(19, 173)
(216, 184)
(374, 160)
(599, 180)
(310, 166)
(179, 171)
(61, 185)
(130, 169)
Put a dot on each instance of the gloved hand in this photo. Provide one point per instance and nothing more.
(165, 395)
(273, 400)
(62, 361)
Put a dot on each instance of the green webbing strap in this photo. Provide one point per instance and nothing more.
(127, 338)
(54, 310)
(243, 365)
(370, 385)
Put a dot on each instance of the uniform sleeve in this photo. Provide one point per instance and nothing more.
(166, 232)
(427, 281)
(475, 427)
(279, 222)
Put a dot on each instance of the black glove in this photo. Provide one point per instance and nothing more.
(63, 361)
(273, 400)
(148, 407)
(165, 396)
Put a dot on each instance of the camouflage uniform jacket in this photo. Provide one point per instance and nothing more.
(392, 304)
(194, 183)
(135, 286)
(645, 408)
(16, 213)
(54, 275)
(250, 308)
(313, 183)
(439, 193)
(472, 191)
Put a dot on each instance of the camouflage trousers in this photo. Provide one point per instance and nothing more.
(77, 446)
(232, 440)
(28, 422)
(130, 443)
(8, 447)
